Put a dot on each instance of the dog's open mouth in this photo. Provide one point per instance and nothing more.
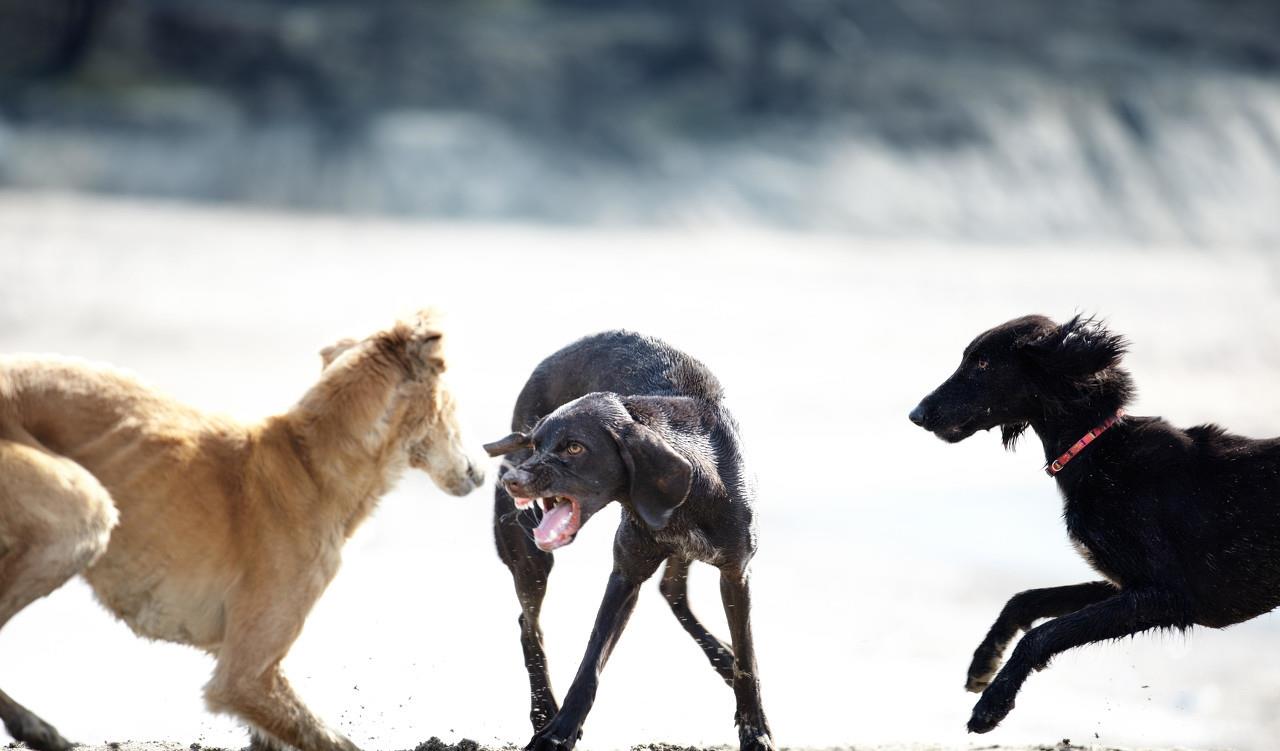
(561, 518)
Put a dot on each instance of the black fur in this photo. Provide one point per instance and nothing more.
(619, 416)
(1183, 524)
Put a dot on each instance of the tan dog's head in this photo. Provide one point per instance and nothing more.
(417, 414)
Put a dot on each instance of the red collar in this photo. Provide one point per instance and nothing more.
(1054, 467)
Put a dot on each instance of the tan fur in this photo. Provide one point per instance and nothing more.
(204, 531)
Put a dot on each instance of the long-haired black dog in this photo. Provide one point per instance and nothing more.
(619, 416)
(1184, 524)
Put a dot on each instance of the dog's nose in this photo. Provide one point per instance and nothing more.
(515, 479)
(475, 473)
(917, 415)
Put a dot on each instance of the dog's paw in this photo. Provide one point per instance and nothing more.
(979, 677)
(37, 733)
(755, 739)
(991, 709)
(986, 661)
(556, 736)
(977, 684)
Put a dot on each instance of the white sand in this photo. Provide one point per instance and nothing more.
(885, 553)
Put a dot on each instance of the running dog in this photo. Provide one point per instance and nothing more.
(1183, 524)
(204, 531)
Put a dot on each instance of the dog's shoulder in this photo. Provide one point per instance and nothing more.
(1208, 433)
(1157, 437)
(1216, 441)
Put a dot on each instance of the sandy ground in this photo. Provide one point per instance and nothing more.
(885, 554)
(435, 744)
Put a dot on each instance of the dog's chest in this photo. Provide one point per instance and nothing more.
(1099, 552)
(159, 605)
(690, 544)
(1085, 552)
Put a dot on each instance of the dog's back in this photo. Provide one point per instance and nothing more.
(622, 362)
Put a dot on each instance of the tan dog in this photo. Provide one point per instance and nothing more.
(203, 531)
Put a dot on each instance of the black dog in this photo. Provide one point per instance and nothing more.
(1184, 524)
(619, 416)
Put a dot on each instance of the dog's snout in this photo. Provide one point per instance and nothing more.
(516, 479)
(917, 415)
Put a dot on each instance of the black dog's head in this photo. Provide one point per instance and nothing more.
(585, 454)
(1022, 370)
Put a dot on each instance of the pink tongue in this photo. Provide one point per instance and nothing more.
(548, 530)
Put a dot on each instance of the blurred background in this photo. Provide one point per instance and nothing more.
(986, 119)
(824, 201)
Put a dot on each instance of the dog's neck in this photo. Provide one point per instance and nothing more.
(343, 435)
(1063, 421)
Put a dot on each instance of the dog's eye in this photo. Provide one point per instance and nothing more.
(981, 364)
(574, 448)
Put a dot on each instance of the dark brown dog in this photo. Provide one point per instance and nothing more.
(619, 416)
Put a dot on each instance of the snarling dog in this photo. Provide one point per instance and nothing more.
(204, 531)
(1183, 524)
(619, 416)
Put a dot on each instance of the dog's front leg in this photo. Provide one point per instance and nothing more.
(1129, 612)
(753, 728)
(1020, 613)
(615, 609)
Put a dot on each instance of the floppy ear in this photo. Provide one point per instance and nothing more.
(1079, 347)
(335, 350)
(660, 478)
(513, 442)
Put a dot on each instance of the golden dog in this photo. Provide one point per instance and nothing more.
(204, 531)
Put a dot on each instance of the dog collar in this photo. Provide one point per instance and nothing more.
(1055, 466)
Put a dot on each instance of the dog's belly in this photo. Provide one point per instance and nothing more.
(1233, 586)
(158, 605)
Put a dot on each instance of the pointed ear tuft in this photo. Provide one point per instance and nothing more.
(422, 338)
(1080, 347)
(335, 350)
(660, 477)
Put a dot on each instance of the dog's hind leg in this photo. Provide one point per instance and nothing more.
(1020, 613)
(753, 728)
(249, 684)
(267, 702)
(675, 588)
(1126, 612)
(55, 520)
(529, 568)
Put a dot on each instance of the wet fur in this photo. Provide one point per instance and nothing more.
(678, 398)
(1184, 525)
(205, 531)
